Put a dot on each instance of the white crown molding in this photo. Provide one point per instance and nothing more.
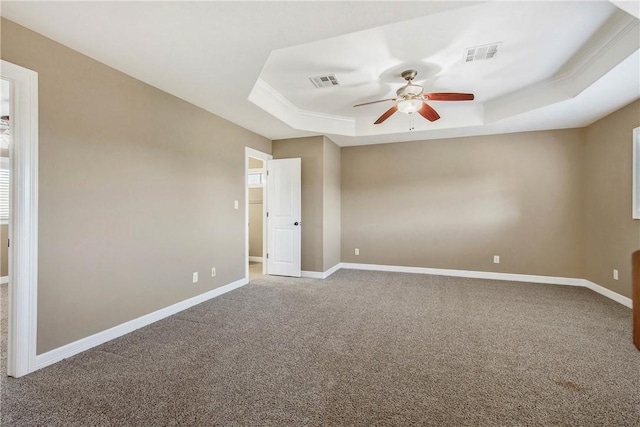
(615, 41)
(66, 351)
(270, 100)
(632, 7)
(601, 49)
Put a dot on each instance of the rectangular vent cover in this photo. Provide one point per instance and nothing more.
(324, 81)
(477, 53)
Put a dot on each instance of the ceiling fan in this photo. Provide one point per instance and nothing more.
(410, 100)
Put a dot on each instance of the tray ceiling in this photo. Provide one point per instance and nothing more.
(559, 64)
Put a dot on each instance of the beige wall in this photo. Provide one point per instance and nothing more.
(455, 203)
(331, 204)
(115, 149)
(255, 221)
(4, 250)
(311, 151)
(255, 163)
(611, 235)
(136, 192)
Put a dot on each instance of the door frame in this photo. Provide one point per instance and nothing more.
(23, 220)
(250, 152)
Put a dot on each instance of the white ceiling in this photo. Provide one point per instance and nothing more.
(560, 65)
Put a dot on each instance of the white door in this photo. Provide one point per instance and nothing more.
(284, 219)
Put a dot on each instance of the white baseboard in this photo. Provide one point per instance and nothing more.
(321, 274)
(497, 276)
(467, 273)
(94, 340)
(84, 344)
(312, 274)
(332, 270)
(608, 293)
(256, 259)
(4, 280)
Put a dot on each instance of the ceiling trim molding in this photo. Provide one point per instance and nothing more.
(616, 33)
(631, 7)
(608, 47)
(270, 100)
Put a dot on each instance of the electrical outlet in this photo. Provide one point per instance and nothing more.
(615, 274)
(213, 272)
(496, 259)
(235, 204)
(195, 277)
(357, 251)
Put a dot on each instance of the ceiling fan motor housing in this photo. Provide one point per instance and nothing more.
(409, 90)
(409, 75)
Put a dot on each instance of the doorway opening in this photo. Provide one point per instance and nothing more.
(256, 213)
(256, 184)
(22, 295)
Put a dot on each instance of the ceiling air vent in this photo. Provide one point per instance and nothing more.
(324, 81)
(478, 53)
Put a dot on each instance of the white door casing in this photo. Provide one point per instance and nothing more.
(23, 226)
(250, 152)
(284, 220)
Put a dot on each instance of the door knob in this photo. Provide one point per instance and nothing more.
(297, 223)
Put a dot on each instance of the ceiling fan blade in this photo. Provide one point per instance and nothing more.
(449, 96)
(428, 113)
(374, 102)
(386, 115)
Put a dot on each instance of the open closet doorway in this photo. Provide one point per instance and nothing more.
(256, 213)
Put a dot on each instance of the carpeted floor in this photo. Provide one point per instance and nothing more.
(255, 270)
(359, 348)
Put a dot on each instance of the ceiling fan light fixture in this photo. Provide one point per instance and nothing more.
(410, 100)
(409, 106)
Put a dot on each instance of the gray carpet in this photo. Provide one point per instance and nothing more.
(359, 348)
